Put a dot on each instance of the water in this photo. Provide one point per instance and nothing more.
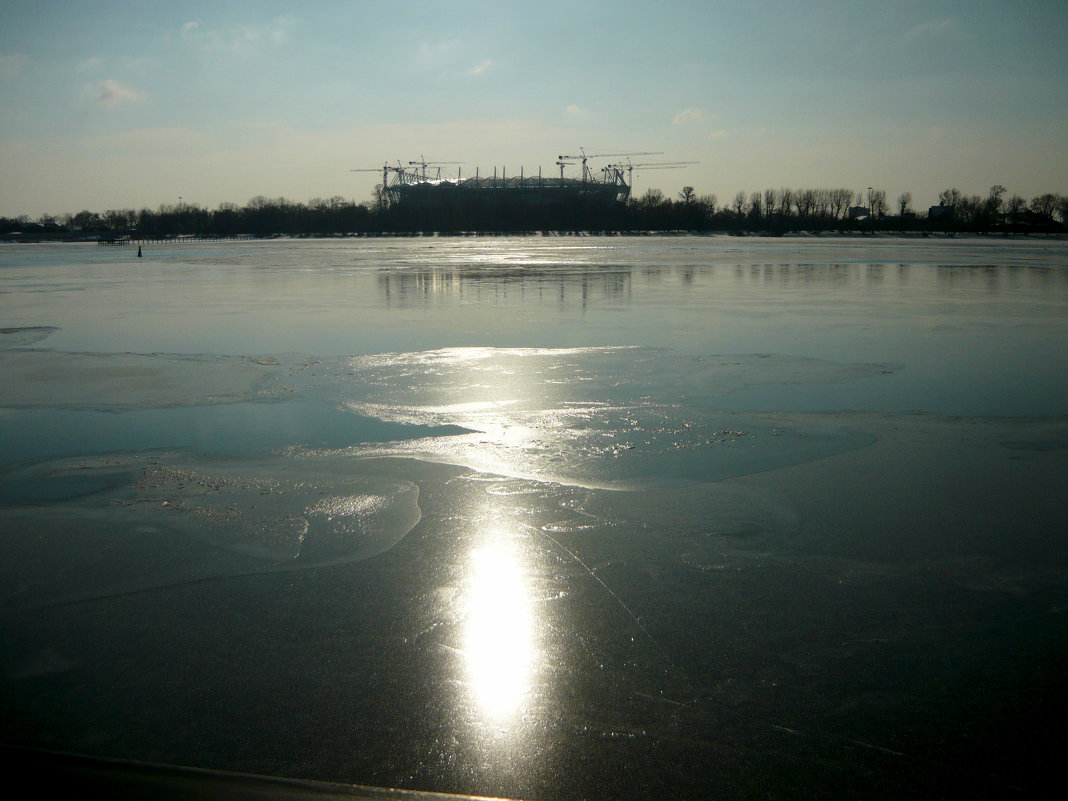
(541, 517)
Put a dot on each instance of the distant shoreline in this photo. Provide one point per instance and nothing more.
(66, 238)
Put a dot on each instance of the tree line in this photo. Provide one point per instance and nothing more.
(771, 211)
(786, 209)
(260, 217)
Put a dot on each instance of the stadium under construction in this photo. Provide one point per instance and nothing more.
(423, 184)
(435, 196)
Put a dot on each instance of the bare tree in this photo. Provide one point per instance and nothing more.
(840, 201)
(969, 209)
(770, 199)
(381, 197)
(950, 197)
(878, 203)
(904, 203)
(120, 219)
(1045, 204)
(86, 220)
(1015, 205)
(805, 201)
(994, 203)
(687, 195)
(756, 205)
(652, 197)
(823, 202)
(786, 201)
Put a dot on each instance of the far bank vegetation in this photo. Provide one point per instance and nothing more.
(770, 212)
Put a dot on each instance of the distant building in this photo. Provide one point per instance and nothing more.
(410, 187)
(859, 213)
(934, 212)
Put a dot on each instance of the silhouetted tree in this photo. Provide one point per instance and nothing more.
(1015, 206)
(786, 201)
(87, 221)
(878, 203)
(756, 206)
(738, 206)
(1045, 205)
(770, 199)
(840, 201)
(950, 197)
(994, 200)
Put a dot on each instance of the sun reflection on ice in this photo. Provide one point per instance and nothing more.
(499, 636)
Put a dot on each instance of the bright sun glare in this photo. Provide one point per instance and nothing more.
(499, 638)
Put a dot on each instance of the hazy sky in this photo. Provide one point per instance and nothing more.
(130, 104)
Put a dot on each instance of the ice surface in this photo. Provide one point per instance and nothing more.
(238, 429)
(287, 509)
(579, 514)
(124, 380)
(24, 336)
(608, 417)
(270, 514)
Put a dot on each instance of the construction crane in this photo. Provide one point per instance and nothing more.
(386, 170)
(423, 164)
(582, 156)
(630, 167)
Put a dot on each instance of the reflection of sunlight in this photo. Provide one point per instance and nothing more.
(499, 638)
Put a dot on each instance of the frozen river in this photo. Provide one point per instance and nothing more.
(541, 517)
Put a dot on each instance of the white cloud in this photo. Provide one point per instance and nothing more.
(202, 38)
(277, 31)
(931, 29)
(11, 65)
(576, 110)
(88, 65)
(111, 93)
(243, 40)
(481, 68)
(434, 55)
(687, 116)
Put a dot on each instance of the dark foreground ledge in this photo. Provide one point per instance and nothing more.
(57, 775)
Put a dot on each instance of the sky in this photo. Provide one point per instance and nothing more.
(136, 104)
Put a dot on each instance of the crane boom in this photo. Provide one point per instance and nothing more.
(423, 164)
(630, 167)
(583, 156)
